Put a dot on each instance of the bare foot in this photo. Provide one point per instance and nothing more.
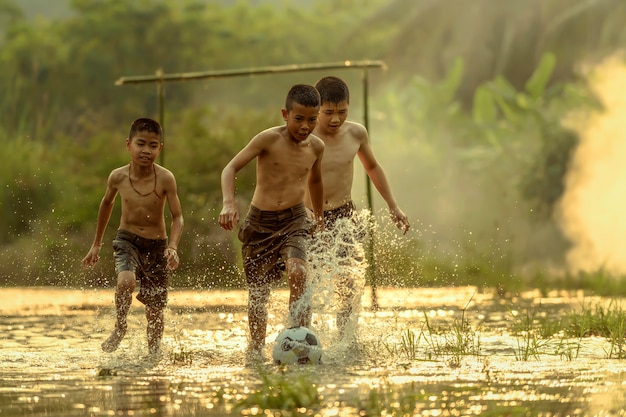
(113, 342)
(254, 355)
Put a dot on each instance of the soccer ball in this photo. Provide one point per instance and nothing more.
(297, 345)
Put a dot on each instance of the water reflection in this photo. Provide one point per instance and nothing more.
(151, 396)
(51, 363)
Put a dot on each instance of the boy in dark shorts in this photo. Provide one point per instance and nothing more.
(141, 247)
(276, 230)
(344, 140)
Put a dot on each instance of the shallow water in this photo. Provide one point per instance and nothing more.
(52, 365)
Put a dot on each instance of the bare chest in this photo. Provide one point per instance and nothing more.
(141, 203)
(288, 160)
(339, 154)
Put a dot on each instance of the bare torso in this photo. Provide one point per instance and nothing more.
(143, 201)
(338, 164)
(283, 169)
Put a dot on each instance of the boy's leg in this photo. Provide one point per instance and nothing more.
(299, 306)
(258, 296)
(123, 300)
(154, 316)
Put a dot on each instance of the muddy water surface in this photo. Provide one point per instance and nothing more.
(431, 352)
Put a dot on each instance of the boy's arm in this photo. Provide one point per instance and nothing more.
(229, 216)
(104, 214)
(316, 189)
(379, 179)
(176, 227)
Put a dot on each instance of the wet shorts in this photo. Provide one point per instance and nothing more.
(269, 238)
(144, 257)
(345, 228)
(342, 212)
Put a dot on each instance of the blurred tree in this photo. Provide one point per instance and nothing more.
(463, 85)
(493, 37)
(27, 187)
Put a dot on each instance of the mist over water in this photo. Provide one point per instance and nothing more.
(591, 212)
(464, 214)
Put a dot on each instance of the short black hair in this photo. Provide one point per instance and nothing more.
(333, 90)
(303, 94)
(145, 124)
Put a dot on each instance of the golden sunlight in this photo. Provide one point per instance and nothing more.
(591, 212)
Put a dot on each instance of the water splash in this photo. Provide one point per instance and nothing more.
(337, 277)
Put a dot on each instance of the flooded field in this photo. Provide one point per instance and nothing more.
(428, 352)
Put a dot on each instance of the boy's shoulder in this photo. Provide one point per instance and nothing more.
(275, 131)
(268, 139)
(354, 130)
(354, 127)
(271, 133)
(120, 172)
(161, 169)
(316, 141)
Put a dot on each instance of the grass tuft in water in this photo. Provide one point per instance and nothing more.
(567, 349)
(450, 341)
(530, 343)
(290, 391)
(459, 339)
(604, 321)
(390, 400)
(536, 330)
(181, 355)
(409, 344)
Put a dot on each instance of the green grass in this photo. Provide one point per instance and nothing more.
(530, 343)
(180, 355)
(608, 321)
(448, 340)
(288, 391)
(537, 332)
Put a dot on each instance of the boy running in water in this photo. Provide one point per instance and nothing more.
(276, 230)
(344, 140)
(141, 247)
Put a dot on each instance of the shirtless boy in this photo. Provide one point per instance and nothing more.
(141, 247)
(276, 230)
(343, 141)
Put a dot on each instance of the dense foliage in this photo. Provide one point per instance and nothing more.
(473, 99)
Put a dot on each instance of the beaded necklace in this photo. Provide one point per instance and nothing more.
(137, 191)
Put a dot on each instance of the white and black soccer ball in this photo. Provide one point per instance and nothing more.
(297, 345)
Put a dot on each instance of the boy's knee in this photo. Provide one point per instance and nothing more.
(126, 281)
(155, 313)
(296, 268)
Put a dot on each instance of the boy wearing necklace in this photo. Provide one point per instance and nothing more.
(276, 230)
(140, 247)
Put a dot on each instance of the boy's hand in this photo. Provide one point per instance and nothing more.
(320, 225)
(92, 257)
(319, 222)
(400, 219)
(172, 258)
(229, 216)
